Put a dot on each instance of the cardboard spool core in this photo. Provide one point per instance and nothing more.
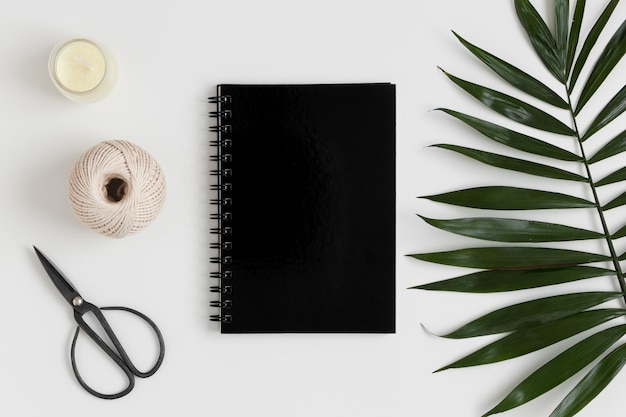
(115, 189)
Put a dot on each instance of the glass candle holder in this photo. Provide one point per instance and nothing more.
(82, 70)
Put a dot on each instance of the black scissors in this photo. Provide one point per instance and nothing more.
(82, 307)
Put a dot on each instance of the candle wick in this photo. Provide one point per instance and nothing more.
(85, 63)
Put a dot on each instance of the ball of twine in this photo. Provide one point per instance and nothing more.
(116, 188)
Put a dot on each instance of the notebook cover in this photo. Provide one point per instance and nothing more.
(310, 208)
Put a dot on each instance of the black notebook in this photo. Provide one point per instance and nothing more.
(306, 208)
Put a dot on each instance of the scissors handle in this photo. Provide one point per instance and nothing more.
(119, 355)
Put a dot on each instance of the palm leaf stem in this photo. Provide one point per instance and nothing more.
(605, 228)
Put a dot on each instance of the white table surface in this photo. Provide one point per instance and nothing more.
(171, 55)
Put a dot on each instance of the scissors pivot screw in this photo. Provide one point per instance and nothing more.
(77, 301)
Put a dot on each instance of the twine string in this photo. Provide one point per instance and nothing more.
(116, 188)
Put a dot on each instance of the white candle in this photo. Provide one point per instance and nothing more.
(82, 70)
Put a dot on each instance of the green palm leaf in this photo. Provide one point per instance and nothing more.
(617, 176)
(560, 369)
(590, 42)
(511, 257)
(611, 55)
(616, 202)
(518, 262)
(514, 139)
(561, 17)
(615, 146)
(513, 280)
(512, 230)
(574, 34)
(514, 164)
(614, 108)
(513, 108)
(591, 385)
(510, 198)
(540, 37)
(532, 339)
(531, 314)
(619, 234)
(515, 76)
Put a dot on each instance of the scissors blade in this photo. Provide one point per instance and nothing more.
(63, 285)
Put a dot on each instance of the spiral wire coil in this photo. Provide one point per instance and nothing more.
(223, 158)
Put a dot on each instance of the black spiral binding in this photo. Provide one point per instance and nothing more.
(223, 202)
